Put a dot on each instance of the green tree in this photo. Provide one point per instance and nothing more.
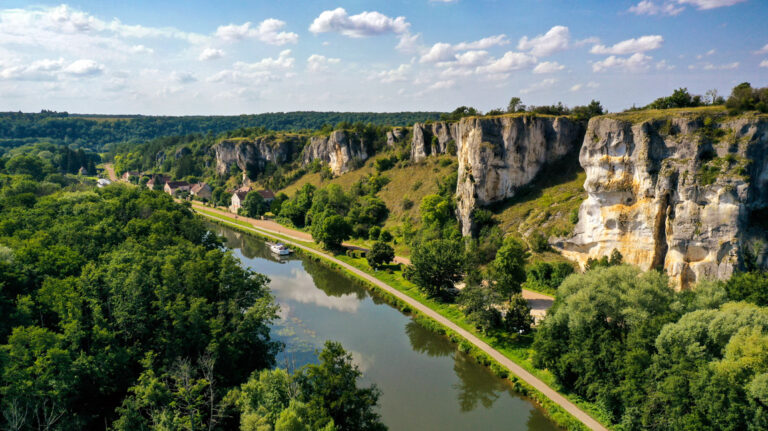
(254, 205)
(749, 286)
(518, 317)
(380, 254)
(515, 105)
(331, 230)
(508, 268)
(436, 266)
(436, 210)
(479, 305)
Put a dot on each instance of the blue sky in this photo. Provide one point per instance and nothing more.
(237, 56)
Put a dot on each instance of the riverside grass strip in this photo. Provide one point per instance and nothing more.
(554, 411)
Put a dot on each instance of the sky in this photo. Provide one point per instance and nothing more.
(229, 57)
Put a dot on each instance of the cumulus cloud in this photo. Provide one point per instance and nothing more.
(440, 52)
(268, 69)
(393, 75)
(663, 65)
(363, 24)
(728, 66)
(710, 4)
(210, 54)
(762, 50)
(320, 63)
(509, 62)
(648, 7)
(706, 54)
(764, 63)
(84, 68)
(635, 63)
(442, 85)
(556, 39)
(539, 86)
(548, 67)
(268, 31)
(484, 43)
(630, 46)
(40, 70)
(141, 49)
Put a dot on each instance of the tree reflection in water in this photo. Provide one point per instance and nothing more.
(425, 341)
(331, 282)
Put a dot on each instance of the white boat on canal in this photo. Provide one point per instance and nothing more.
(279, 249)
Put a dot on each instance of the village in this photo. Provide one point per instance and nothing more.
(200, 191)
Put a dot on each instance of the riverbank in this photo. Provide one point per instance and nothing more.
(507, 357)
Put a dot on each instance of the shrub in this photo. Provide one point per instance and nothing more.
(406, 204)
(374, 232)
(380, 254)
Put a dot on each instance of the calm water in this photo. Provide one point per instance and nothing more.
(426, 383)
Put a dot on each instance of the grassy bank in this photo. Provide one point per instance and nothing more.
(517, 349)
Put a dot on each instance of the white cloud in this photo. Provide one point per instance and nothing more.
(539, 86)
(484, 43)
(576, 87)
(320, 63)
(141, 49)
(268, 69)
(635, 63)
(710, 4)
(592, 84)
(361, 25)
(393, 75)
(509, 62)
(440, 52)
(444, 52)
(183, 77)
(706, 54)
(548, 67)
(471, 58)
(648, 7)
(40, 70)
(84, 68)
(762, 50)
(764, 63)
(268, 31)
(629, 46)
(409, 43)
(663, 65)
(556, 39)
(210, 54)
(442, 85)
(729, 66)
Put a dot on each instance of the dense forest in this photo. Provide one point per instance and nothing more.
(95, 132)
(120, 310)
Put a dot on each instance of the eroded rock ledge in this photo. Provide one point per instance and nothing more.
(672, 193)
(499, 155)
(338, 150)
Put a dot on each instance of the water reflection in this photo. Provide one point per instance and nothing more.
(426, 382)
(424, 341)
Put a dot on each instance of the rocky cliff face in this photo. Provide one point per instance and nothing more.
(340, 151)
(434, 138)
(675, 193)
(395, 136)
(250, 154)
(498, 156)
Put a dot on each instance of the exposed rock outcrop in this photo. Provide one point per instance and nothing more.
(395, 136)
(433, 138)
(253, 154)
(499, 155)
(341, 151)
(673, 193)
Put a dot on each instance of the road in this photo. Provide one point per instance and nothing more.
(110, 171)
(517, 370)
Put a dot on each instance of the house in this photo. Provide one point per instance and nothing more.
(157, 179)
(103, 182)
(202, 191)
(130, 174)
(268, 195)
(173, 187)
(238, 197)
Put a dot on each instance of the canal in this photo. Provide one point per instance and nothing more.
(426, 383)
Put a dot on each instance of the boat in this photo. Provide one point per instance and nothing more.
(279, 249)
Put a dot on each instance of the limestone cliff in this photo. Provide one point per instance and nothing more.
(395, 136)
(341, 151)
(675, 193)
(251, 154)
(499, 155)
(433, 138)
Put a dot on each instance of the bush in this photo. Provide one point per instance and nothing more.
(385, 236)
(407, 204)
(539, 242)
(374, 232)
(380, 254)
